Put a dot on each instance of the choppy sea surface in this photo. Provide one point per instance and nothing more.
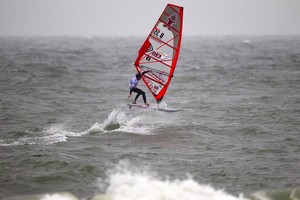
(67, 133)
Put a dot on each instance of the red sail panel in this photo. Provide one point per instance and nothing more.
(160, 51)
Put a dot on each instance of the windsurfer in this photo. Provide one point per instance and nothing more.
(133, 87)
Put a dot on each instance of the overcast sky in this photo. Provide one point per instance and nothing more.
(136, 17)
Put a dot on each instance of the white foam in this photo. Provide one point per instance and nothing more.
(125, 184)
(162, 105)
(59, 133)
(115, 119)
(96, 128)
(53, 134)
(59, 196)
(137, 121)
(6, 143)
(133, 121)
(119, 120)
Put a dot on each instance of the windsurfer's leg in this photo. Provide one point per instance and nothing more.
(137, 96)
(141, 92)
(138, 91)
(144, 97)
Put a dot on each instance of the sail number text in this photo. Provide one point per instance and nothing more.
(158, 34)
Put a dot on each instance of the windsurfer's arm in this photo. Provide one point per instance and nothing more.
(145, 72)
(130, 91)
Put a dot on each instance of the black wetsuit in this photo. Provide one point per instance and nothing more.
(133, 88)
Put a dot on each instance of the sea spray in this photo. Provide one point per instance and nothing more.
(133, 121)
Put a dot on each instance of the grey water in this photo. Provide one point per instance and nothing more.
(65, 125)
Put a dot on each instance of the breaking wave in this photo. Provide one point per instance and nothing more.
(127, 182)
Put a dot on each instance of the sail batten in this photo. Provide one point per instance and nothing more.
(159, 53)
(165, 43)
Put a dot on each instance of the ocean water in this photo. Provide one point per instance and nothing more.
(67, 133)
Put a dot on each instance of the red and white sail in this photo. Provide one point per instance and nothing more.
(160, 51)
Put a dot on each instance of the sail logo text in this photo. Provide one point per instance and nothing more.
(156, 55)
(172, 19)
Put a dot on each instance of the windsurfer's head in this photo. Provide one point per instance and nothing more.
(138, 76)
